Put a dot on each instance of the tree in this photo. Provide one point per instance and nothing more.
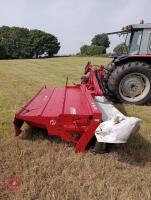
(4, 41)
(101, 40)
(83, 50)
(2, 53)
(92, 50)
(42, 42)
(120, 48)
(16, 42)
(19, 44)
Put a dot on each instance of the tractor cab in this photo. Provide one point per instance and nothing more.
(138, 39)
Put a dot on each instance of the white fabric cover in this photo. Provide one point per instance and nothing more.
(116, 127)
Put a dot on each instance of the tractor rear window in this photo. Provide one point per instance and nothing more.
(149, 45)
(135, 42)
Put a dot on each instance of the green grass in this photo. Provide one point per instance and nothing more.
(48, 167)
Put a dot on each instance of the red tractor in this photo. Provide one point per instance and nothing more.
(128, 76)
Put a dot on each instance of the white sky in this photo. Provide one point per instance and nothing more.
(74, 22)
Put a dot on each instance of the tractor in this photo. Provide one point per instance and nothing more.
(128, 76)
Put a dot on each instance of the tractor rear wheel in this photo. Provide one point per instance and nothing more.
(110, 68)
(131, 83)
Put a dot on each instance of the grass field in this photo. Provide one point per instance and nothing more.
(48, 167)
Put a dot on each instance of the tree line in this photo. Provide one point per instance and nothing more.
(99, 44)
(16, 42)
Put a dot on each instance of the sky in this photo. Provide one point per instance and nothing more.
(74, 22)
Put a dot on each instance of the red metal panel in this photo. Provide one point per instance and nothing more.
(64, 112)
(76, 103)
(141, 56)
(38, 103)
(55, 104)
(93, 85)
(69, 112)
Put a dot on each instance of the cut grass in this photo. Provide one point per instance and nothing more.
(48, 167)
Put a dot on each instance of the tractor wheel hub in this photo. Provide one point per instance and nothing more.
(134, 86)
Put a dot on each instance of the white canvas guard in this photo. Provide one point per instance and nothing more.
(116, 127)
